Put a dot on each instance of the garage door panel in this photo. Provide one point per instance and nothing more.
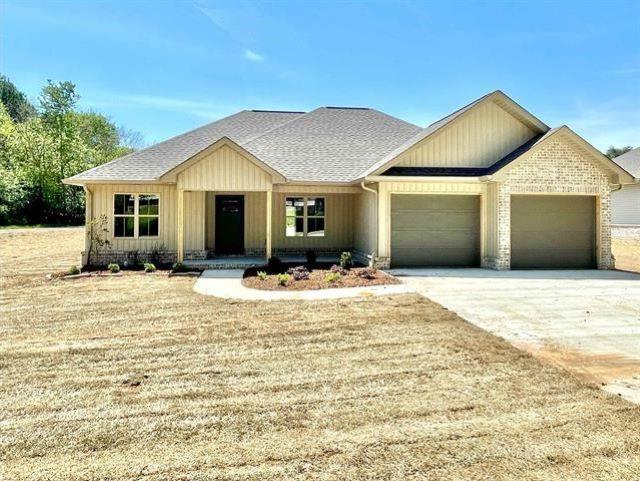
(427, 220)
(552, 231)
(435, 230)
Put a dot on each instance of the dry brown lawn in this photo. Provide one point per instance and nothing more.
(137, 377)
(627, 254)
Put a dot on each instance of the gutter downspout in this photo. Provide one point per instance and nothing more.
(88, 218)
(375, 194)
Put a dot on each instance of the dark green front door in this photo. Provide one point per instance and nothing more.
(229, 224)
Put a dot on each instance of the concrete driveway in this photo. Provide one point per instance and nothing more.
(585, 321)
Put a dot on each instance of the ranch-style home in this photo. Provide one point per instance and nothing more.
(489, 185)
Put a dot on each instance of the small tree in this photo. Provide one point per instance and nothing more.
(614, 152)
(97, 232)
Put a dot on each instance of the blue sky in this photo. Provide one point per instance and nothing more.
(162, 68)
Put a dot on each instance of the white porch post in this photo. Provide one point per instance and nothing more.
(268, 226)
(180, 233)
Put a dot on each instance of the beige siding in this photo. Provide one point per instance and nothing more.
(338, 224)
(384, 202)
(103, 204)
(224, 169)
(194, 221)
(365, 222)
(625, 206)
(255, 219)
(480, 138)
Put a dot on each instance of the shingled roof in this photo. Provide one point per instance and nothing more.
(329, 144)
(630, 161)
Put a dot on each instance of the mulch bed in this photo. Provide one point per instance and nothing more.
(316, 280)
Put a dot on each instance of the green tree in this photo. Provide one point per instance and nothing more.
(16, 102)
(613, 152)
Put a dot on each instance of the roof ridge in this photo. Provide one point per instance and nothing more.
(247, 142)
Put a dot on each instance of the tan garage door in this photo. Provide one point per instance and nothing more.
(435, 230)
(553, 231)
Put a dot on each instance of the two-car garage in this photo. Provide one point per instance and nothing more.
(547, 231)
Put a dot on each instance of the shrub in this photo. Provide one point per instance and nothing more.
(178, 267)
(283, 279)
(336, 269)
(332, 277)
(73, 271)
(299, 273)
(114, 268)
(157, 253)
(133, 258)
(149, 267)
(367, 273)
(262, 275)
(311, 257)
(274, 265)
(346, 260)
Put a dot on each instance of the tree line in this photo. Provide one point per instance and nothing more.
(44, 143)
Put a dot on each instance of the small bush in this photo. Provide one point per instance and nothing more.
(73, 271)
(336, 269)
(179, 267)
(311, 257)
(346, 260)
(262, 275)
(332, 277)
(299, 273)
(367, 273)
(113, 268)
(274, 265)
(149, 267)
(283, 279)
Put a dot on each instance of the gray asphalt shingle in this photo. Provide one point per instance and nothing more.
(630, 161)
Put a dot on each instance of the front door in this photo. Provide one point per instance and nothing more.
(229, 224)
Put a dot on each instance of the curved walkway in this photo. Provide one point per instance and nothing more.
(227, 284)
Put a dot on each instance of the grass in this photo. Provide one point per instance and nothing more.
(137, 377)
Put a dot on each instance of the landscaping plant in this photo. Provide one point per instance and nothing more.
(73, 270)
(274, 265)
(262, 275)
(367, 273)
(332, 277)
(113, 268)
(149, 267)
(299, 273)
(178, 267)
(336, 269)
(346, 260)
(283, 279)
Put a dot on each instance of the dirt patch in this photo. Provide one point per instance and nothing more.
(627, 253)
(318, 280)
(597, 369)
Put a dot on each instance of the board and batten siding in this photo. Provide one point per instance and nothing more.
(194, 221)
(483, 136)
(338, 223)
(224, 169)
(365, 222)
(625, 206)
(103, 204)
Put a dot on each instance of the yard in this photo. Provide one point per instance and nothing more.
(138, 377)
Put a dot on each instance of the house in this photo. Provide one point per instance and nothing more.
(489, 185)
(625, 203)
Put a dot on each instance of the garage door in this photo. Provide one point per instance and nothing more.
(435, 230)
(553, 231)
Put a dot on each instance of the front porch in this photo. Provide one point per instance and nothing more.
(245, 262)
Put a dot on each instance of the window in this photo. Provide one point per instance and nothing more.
(304, 216)
(124, 208)
(136, 215)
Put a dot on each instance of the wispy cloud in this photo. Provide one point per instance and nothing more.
(253, 56)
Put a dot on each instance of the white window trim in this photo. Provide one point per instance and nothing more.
(135, 215)
(305, 215)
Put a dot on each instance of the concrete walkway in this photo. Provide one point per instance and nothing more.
(587, 321)
(227, 284)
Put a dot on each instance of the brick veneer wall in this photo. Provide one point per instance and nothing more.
(555, 168)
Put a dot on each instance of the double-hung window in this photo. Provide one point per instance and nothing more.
(136, 215)
(304, 216)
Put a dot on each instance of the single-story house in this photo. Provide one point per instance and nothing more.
(625, 203)
(489, 185)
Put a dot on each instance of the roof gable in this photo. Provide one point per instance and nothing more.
(630, 161)
(497, 98)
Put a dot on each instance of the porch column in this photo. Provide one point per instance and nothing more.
(180, 233)
(268, 229)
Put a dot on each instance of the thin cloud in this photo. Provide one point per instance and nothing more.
(253, 56)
